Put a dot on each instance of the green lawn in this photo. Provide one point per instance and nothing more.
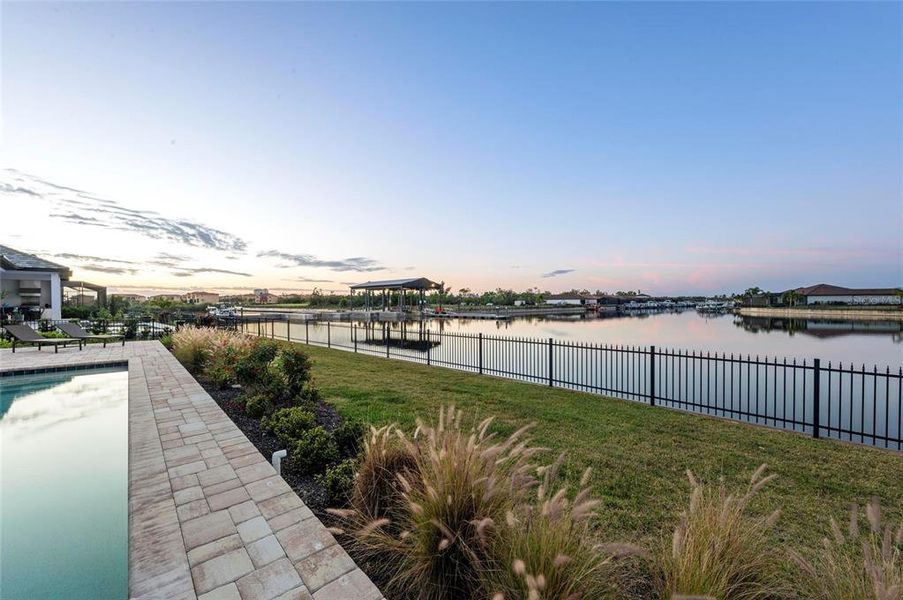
(639, 454)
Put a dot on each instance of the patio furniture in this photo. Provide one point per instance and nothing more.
(23, 334)
(75, 331)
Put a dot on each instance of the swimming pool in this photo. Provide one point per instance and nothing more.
(64, 485)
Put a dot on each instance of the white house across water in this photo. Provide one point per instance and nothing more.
(833, 294)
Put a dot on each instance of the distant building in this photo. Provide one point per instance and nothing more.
(263, 296)
(81, 300)
(572, 300)
(240, 298)
(202, 297)
(833, 294)
(130, 297)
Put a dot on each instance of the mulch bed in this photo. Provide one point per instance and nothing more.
(312, 493)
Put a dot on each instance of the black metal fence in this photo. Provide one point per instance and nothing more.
(840, 401)
(132, 329)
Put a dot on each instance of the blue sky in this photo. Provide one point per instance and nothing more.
(668, 147)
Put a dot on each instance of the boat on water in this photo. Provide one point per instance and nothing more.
(713, 306)
(222, 311)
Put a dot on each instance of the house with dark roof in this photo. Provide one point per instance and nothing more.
(824, 293)
(28, 283)
(572, 299)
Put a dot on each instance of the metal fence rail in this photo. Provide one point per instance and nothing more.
(132, 329)
(858, 404)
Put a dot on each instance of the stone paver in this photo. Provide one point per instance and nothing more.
(324, 566)
(208, 516)
(221, 570)
(214, 549)
(265, 550)
(303, 539)
(227, 499)
(270, 581)
(224, 592)
(207, 528)
(254, 529)
(351, 586)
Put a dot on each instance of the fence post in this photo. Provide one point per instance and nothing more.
(288, 329)
(651, 375)
(429, 347)
(306, 332)
(354, 336)
(386, 332)
(551, 357)
(816, 399)
(328, 335)
(481, 354)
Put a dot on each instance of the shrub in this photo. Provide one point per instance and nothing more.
(377, 492)
(226, 351)
(313, 451)
(191, 346)
(720, 551)
(349, 437)
(131, 332)
(253, 369)
(310, 395)
(294, 366)
(287, 424)
(258, 405)
(856, 565)
(338, 481)
(429, 540)
(53, 334)
(546, 550)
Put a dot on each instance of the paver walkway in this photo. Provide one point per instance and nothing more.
(209, 518)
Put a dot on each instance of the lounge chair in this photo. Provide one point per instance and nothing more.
(74, 330)
(23, 334)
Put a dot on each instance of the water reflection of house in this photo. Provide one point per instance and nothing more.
(820, 328)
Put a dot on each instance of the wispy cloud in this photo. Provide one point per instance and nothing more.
(308, 280)
(94, 259)
(186, 272)
(355, 263)
(164, 259)
(556, 273)
(108, 269)
(82, 208)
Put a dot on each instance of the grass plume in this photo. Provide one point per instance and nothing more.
(720, 551)
(861, 563)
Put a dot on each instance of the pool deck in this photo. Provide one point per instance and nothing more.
(209, 518)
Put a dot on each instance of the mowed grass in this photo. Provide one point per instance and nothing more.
(639, 454)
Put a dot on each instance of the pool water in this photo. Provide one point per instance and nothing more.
(64, 485)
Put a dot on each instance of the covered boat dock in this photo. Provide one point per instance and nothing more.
(418, 286)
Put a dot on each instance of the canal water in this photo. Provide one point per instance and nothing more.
(760, 370)
(858, 342)
(869, 342)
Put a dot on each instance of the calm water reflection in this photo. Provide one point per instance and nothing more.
(63, 485)
(869, 342)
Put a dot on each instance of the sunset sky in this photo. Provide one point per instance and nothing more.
(673, 148)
